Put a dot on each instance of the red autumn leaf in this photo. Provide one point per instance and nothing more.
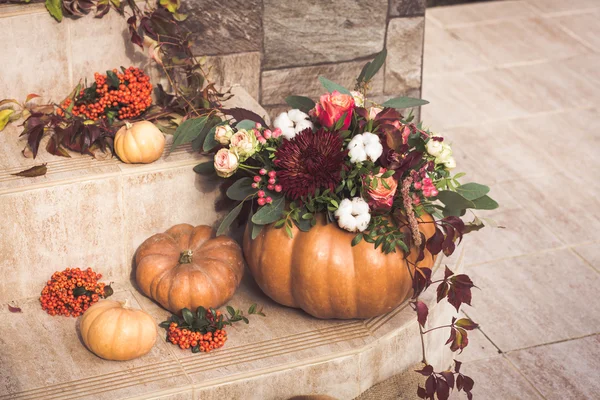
(460, 381)
(460, 290)
(466, 323)
(240, 114)
(434, 244)
(421, 393)
(421, 280)
(430, 385)
(448, 273)
(457, 365)
(14, 309)
(442, 291)
(442, 390)
(468, 384)
(422, 312)
(31, 96)
(449, 377)
(426, 371)
(458, 339)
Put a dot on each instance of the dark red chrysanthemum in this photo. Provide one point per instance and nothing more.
(310, 161)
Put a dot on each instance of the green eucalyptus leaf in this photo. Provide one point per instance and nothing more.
(357, 239)
(485, 203)
(375, 65)
(210, 142)
(404, 102)
(205, 168)
(269, 213)
(472, 191)
(303, 224)
(454, 201)
(55, 9)
(241, 189)
(256, 230)
(245, 124)
(302, 103)
(228, 220)
(331, 86)
(189, 130)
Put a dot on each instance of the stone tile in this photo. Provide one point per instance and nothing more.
(241, 98)
(555, 201)
(218, 28)
(153, 201)
(304, 81)
(236, 69)
(307, 32)
(445, 53)
(405, 53)
(60, 366)
(590, 253)
(557, 6)
(566, 370)
(109, 37)
(496, 379)
(406, 8)
(44, 52)
(535, 299)
(504, 42)
(465, 14)
(584, 26)
(522, 234)
(69, 225)
(337, 378)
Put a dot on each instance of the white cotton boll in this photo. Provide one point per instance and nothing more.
(302, 125)
(370, 138)
(344, 208)
(374, 151)
(288, 132)
(283, 121)
(357, 154)
(357, 141)
(362, 221)
(363, 146)
(297, 116)
(359, 206)
(347, 222)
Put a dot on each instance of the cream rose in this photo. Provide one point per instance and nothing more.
(223, 134)
(434, 147)
(226, 163)
(359, 99)
(244, 144)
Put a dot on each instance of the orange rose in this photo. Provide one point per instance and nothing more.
(382, 197)
(332, 106)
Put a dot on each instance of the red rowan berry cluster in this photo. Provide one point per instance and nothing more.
(128, 99)
(186, 338)
(72, 291)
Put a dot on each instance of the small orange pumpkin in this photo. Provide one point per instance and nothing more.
(140, 142)
(188, 267)
(321, 272)
(113, 331)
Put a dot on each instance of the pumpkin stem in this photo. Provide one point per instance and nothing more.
(186, 257)
(125, 304)
(128, 125)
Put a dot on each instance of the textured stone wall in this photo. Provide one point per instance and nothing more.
(273, 48)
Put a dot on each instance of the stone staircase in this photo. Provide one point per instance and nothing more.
(86, 212)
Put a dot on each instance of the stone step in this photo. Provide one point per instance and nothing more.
(90, 213)
(284, 354)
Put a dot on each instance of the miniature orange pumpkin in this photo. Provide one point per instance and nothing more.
(188, 267)
(321, 272)
(112, 330)
(140, 142)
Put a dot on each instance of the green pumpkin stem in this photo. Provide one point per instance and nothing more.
(186, 257)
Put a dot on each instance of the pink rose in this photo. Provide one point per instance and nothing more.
(332, 106)
(226, 163)
(381, 197)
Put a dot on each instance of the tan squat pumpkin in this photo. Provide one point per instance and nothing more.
(320, 272)
(141, 142)
(188, 267)
(113, 331)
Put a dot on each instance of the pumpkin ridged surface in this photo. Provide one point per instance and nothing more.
(115, 332)
(320, 271)
(141, 142)
(209, 280)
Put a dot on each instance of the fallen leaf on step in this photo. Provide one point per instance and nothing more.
(38, 170)
(14, 309)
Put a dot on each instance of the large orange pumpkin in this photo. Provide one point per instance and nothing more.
(113, 331)
(321, 272)
(188, 267)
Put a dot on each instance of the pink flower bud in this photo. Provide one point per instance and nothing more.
(257, 178)
(269, 200)
(427, 181)
(255, 185)
(261, 193)
(271, 187)
(272, 174)
(277, 132)
(262, 171)
(278, 188)
(418, 185)
(272, 181)
(261, 140)
(262, 201)
(258, 125)
(434, 192)
(268, 134)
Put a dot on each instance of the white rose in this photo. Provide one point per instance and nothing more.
(373, 111)
(434, 147)
(226, 163)
(450, 163)
(292, 122)
(353, 215)
(244, 144)
(444, 155)
(223, 134)
(365, 146)
(359, 99)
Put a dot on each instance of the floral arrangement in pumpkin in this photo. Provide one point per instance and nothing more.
(364, 165)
